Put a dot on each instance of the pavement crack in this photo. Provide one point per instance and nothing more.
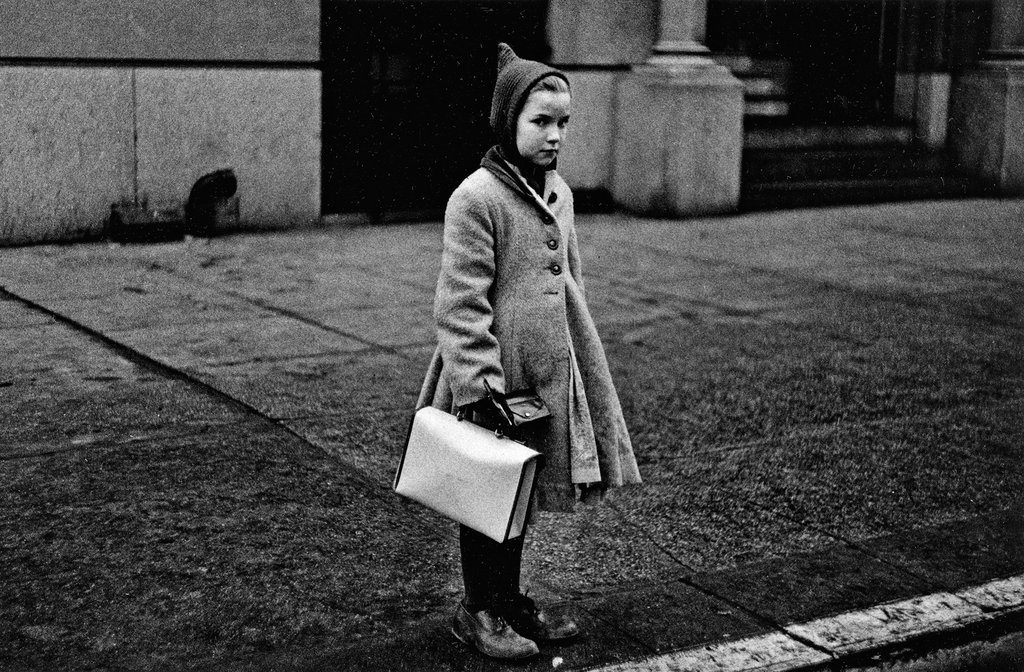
(286, 312)
(854, 544)
(757, 616)
(151, 364)
(299, 317)
(789, 277)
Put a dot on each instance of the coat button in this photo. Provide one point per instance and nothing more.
(548, 219)
(553, 244)
(552, 198)
(556, 269)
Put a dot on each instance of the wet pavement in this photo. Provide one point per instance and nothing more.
(826, 407)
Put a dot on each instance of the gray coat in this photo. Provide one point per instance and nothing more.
(509, 296)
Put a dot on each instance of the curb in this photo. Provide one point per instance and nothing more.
(851, 635)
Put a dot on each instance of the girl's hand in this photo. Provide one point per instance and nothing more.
(491, 412)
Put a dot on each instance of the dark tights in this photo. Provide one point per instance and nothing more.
(490, 570)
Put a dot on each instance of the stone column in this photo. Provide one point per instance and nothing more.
(681, 29)
(987, 111)
(679, 123)
(1007, 30)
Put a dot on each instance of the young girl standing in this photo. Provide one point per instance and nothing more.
(511, 314)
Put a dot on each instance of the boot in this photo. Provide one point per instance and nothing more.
(536, 623)
(476, 622)
(491, 635)
(521, 612)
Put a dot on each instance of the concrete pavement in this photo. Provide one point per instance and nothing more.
(826, 406)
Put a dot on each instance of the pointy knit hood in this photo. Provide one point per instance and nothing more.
(516, 76)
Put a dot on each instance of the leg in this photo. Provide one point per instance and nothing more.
(522, 613)
(512, 552)
(478, 621)
(483, 568)
(490, 569)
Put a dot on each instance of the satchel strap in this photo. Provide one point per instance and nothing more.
(498, 401)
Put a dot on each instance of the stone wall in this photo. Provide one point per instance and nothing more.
(170, 30)
(986, 126)
(65, 150)
(265, 124)
(586, 162)
(104, 101)
(601, 32)
(596, 41)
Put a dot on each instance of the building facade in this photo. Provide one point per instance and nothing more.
(378, 107)
(109, 100)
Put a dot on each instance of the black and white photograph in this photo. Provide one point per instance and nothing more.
(500, 335)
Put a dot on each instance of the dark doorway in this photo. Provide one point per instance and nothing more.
(835, 59)
(406, 97)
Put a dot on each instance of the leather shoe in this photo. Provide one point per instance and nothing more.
(536, 623)
(491, 635)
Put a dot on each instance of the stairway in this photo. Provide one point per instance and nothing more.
(765, 84)
(788, 165)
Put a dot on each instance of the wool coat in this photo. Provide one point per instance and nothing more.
(510, 309)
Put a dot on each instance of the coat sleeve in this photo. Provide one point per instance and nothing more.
(462, 306)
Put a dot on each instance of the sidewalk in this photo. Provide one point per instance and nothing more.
(197, 441)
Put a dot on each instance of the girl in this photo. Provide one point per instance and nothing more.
(511, 313)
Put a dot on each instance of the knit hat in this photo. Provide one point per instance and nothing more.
(516, 76)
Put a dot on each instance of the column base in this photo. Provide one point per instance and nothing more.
(679, 137)
(986, 126)
(671, 48)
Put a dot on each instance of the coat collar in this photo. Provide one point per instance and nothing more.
(513, 179)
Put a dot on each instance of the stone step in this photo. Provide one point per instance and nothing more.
(764, 87)
(743, 66)
(777, 195)
(787, 165)
(765, 108)
(824, 136)
(765, 84)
